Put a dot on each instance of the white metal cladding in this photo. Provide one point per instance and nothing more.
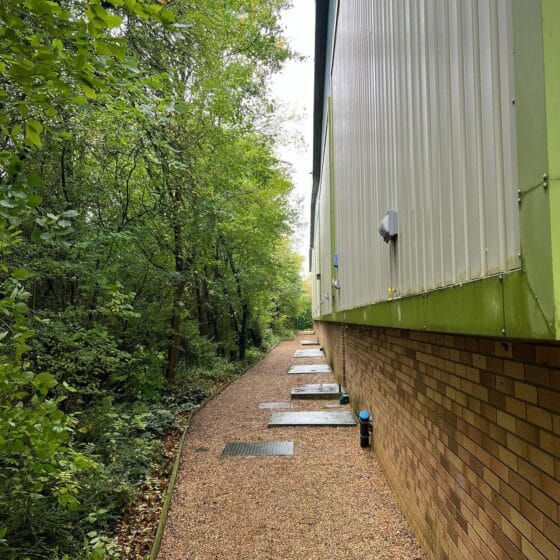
(423, 123)
(323, 290)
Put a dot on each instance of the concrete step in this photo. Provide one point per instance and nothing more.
(316, 391)
(312, 418)
(313, 353)
(310, 368)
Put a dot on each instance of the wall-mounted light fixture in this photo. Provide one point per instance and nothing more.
(388, 226)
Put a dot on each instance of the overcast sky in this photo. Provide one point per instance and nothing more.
(294, 88)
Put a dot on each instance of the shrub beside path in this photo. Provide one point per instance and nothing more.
(329, 501)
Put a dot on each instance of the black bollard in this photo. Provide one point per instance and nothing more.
(365, 427)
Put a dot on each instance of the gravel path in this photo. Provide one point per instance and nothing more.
(329, 501)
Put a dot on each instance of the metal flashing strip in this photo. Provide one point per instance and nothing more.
(259, 449)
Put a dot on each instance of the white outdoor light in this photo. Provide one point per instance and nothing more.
(388, 226)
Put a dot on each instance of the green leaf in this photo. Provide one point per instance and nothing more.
(20, 307)
(70, 214)
(57, 45)
(34, 200)
(79, 100)
(89, 92)
(21, 274)
(166, 17)
(33, 131)
(44, 381)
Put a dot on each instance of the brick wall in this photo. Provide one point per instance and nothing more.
(468, 432)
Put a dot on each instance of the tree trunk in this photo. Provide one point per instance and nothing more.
(243, 331)
(175, 336)
(202, 307)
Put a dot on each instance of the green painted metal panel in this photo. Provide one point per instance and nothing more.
(496, 306)
(551, 45)
(472, 308)
(524, 316)
(532, 164)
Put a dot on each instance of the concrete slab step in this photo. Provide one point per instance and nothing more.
(269, 405)
(310, 368)
(310, 343)
(312, 353)
(312, 418)
(316, 391)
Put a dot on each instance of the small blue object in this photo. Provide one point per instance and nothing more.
(335, 260)
(364, 415)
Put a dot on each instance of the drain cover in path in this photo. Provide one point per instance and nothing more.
(316, 391)
(313, 353)
(312, 418)
(310, 343)
(311, 368)
(275, 405)
(259, 448)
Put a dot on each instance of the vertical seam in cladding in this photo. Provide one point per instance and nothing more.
(478, 123)
(498, 132)
(451, 185)
(463, 136)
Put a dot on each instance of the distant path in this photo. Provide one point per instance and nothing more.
(329, 501)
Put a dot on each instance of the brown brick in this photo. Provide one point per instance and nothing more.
(514, 369)
(530, 551)
(552, 530)
(531, 473)
(516, 407)
(549, 399)
(518, 446)
(536, 375)
(550, 443)
(526, 431)
(506, 421)
(544, 503)
(544, 546)
(505, 384)
(507, 457)
(551, 487)
(548, 356)
(526, 392)
(511, 533)
(520, 522)
(510, 494)
(539, 416)
(479, 361)
(503, 349)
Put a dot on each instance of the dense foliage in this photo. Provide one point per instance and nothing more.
(144, 244)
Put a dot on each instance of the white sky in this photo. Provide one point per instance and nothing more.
(294, 88)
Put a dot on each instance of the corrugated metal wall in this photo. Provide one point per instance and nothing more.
(322, 303)
(423, 123)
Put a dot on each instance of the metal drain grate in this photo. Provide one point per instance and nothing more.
(259, 448)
